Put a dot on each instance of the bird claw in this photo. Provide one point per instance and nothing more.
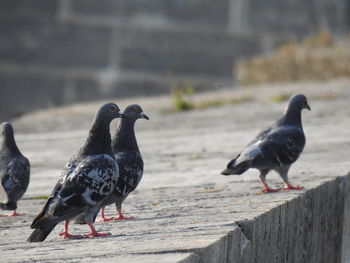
(66, 235)
(291, 187)
(105, 219)
(14, 213)
(270, 190)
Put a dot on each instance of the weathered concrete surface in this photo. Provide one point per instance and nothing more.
(184, 210)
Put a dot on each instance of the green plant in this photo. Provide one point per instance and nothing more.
(281, 97)
(36, 197)
(181, 98)
(220, 102)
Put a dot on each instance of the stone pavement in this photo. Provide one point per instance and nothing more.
(183, 207)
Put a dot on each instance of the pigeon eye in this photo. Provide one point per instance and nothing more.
(133, 110)
(113, 108)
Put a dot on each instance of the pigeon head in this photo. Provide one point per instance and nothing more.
(108, 112)
(134, 112)
(298, 102)
(7, 141)
(99, 139)
(6, 129)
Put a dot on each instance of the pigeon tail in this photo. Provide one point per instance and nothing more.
(10, 205)
(234, 169)
(40, 234)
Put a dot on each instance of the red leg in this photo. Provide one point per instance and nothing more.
(291, 187)
(266, 188)
(14, 213)
(65, 233)
(94, 233)
(102, 217)
(121, 216)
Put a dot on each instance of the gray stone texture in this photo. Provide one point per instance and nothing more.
(195, 12)
(184, 210)
(116, 45)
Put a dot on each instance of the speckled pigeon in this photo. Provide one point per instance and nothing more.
(275, 148)
(14, 171)
(88, 178)
(126, 150)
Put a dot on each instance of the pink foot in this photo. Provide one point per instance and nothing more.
(267, 189)
(94, 233)
(14, 213)
(66, 235)
(291, 187)
(104, 219)
(121, 216)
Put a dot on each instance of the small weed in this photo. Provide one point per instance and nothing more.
(221, 102)
(280, 97)
(317, 57)
(181, 98)
(37, 197)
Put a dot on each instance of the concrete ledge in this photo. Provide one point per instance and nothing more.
(184, 210)
(308, 228)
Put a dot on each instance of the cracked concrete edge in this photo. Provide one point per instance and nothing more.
(238, 245)
(345, 257)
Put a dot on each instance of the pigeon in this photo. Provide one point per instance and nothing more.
(129, 159)
(14, 171)
(275, 148)
(87, 179)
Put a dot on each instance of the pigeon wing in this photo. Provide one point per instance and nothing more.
(130, 172)
(280, 147)
(86, 185)
(15, 181)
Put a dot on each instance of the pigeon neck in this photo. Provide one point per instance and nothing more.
(9, 145)
(99, 139)
(124, 138)
(292, 117)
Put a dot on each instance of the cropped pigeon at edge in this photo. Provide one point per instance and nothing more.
(14, 170)
(275, 148)
(88, 178)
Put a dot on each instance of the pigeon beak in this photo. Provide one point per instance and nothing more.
(308, 106)
(121, 115)
(143, 116)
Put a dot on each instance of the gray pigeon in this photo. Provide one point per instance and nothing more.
(14, 171)
(275, 148)
(88, 178)
(127, 153)
(126, 150)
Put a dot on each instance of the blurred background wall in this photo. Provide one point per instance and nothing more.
(55, 52)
